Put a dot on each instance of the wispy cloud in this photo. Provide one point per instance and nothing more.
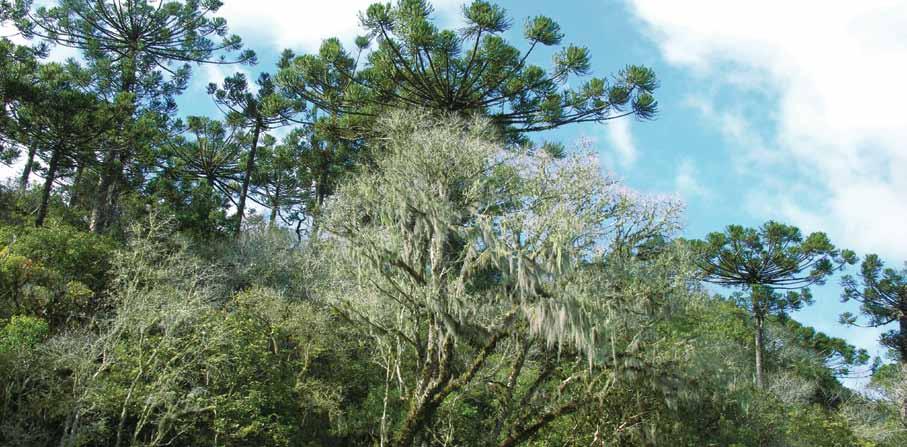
(620, 139)
(303, 25)
(686, 181)
(835, 101)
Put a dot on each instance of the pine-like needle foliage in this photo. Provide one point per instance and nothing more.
(467, 71)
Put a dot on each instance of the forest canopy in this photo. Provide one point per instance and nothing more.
(374, 246)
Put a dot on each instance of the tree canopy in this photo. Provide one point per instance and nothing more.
(764, 260)
(472, 70)
(374, 246)
(882, 294)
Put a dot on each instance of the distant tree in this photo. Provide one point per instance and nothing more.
(280, 178)
(774, 265)
(882, 294)
(6, 9)
(198, 174)
(211, 153)
(474, 70)
(257, 111)
(18, 66)
(839, 356)
(337, 143)
(134, 46)
(58, 125)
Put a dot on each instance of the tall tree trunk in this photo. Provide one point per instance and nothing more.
(117, 188)
(272, 219)
(48, 186)
(275, 206)
(903, 352)
(760, 338)
(26, 170)
(99, 212)
(247, 178)
(320, 196)
(115, 159)
(902, 338)
(435, 375)
(76, 184)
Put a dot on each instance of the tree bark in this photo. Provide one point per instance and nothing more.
(48, 186)
(272, 219)
(524, 433)
(320, 196)
(76, 184)
(102, 201)
(902, 322)
(438, 382)
(760, 338)
(26, 170)
(115, 160)
(507, 398)
(436, 375)
(247, 178)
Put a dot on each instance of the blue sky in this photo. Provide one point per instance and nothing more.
(769, 110)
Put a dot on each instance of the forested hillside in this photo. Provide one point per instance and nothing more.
(376, 245)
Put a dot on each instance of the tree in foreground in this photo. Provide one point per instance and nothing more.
(475, 268)
(469, 71)
(882, 294)
(774, 266)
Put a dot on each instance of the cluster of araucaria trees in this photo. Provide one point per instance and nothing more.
(450, 281)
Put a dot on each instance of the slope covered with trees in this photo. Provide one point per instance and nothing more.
(423, 272)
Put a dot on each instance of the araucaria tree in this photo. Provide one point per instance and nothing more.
(18, 79)
(59, 125)
(280, 182)
(211, 153)
(141, 51)
(257, 112)
(882, 294)
(469, 71)
(774, 265)
(473, 266)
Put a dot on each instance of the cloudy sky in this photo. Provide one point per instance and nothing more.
(769, 110)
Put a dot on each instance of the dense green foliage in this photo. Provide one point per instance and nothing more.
(425, 274)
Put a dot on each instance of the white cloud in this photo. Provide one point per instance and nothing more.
(620, 138)
(215, 73)
(687, 183)
(302, 25)
(836, 72)
(754, 149)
